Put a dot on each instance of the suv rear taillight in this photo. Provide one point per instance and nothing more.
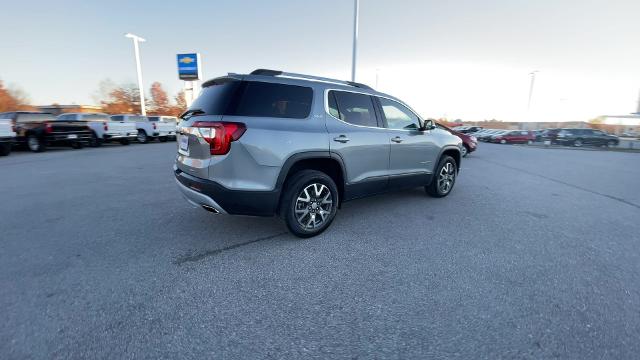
(48, 128)
(154, 126)
(14, 128)
(219, 135)
(105, 126)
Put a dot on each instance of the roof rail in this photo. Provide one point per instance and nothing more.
(268, 72)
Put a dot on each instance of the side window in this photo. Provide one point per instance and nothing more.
(333, 105)
(117, 118)
(353, 108)
(398, 116)
(262, 99)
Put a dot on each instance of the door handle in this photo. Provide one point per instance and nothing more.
(397, 139)
(341, 139)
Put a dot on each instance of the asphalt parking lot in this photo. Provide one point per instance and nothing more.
(535, 254)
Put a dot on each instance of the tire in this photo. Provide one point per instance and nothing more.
(611, 144)
(95, 141)
(446, 171)
(142, 137)
(5, 149)
(124, 142)
(503, 141)
(77, 145)
(35, 144)
(529, 142)
(312, 185)
(578, 142)
(163, 139)
(464, 151)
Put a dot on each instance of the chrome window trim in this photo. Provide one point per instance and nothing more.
(326, 108)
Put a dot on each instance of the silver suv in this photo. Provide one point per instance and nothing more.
(298, 146)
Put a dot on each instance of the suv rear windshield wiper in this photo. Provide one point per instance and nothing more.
(191, 112)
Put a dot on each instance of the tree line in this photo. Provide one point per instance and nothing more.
(113, 99)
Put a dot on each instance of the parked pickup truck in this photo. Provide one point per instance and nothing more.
(166, 127)
(147, 130)
(38, 130)
(104, 129)
(7, 137)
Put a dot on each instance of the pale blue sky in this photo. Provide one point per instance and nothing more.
(466, 59)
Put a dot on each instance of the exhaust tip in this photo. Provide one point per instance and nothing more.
(210, 209)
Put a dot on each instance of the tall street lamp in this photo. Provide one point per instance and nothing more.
(533, 80)
(137, 39)
(355, 39)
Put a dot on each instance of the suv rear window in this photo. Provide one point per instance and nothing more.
(255, 99)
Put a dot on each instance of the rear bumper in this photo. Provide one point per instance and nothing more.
(69, 138)
(201, 192)
(123, 135)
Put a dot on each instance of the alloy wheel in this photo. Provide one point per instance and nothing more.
(33, 143)
(446, 177)
(313, 206)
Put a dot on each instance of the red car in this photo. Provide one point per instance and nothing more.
(514, 137)
(469, 142)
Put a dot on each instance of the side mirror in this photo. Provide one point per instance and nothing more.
(428, 124)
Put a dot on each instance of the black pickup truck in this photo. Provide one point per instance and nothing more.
(37, 130)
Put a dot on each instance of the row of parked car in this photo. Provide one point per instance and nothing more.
(556, 136)
(37, 130)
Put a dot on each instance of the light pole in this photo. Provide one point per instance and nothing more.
(355, 39)
(137, 39)
(533, 80)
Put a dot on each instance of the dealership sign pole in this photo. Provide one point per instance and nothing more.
(189, 70)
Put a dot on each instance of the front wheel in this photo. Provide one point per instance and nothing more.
(309, 203)
(577, 143)
(611, 144)
(35, 144)
(464, 151)
(503, 141)
(444, 179)
(142, 137)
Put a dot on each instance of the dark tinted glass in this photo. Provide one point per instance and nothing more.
(256, 99)
(215, 99)
(263, 99)
(356, 109)
(117, 118)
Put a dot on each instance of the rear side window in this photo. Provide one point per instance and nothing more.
(117, 118)
(255, 99)
(353, 108)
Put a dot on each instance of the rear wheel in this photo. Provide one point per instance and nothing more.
(503, 141)
(142, 137)
(577, 142)
(529, 142)
(445, 178)
(5, 149)
(35, 144)
(95, 141)
(611, 144)
(309, 203)
(464, 151)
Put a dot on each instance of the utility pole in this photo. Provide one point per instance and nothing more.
(355, 39)
(533, 80)
(137, 39)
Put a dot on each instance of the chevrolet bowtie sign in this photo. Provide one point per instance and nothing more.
(189, 66)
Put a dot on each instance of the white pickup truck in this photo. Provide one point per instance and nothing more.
(7, 136)
(147, 130)
(104, 129)
(166, 127)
